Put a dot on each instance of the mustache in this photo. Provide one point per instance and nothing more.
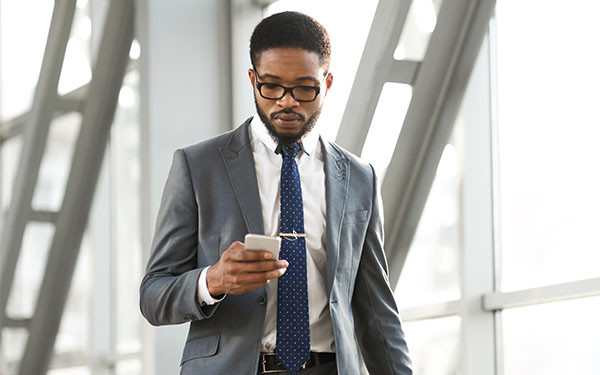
(287, 112)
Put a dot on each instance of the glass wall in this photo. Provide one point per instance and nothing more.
(548, 126)
(549, 123)
(100, 331)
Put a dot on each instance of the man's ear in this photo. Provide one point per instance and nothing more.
(252, 76)
(329, 81)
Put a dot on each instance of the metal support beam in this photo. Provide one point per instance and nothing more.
(13, 127)
(98, 115)
(437, 95)
(16, 323)
(69, 104)
(404, 71)
(376, 64)
(34, 142)
(44, 216)
(552, 293)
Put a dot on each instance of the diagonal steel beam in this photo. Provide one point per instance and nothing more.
(375, 68)
(437, 95)
(98, 116)
(73, 101)
(34, 142)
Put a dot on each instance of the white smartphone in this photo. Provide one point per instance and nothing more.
(261, 242)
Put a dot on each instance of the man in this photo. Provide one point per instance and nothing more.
(306, 312)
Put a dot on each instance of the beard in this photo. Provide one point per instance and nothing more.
(287, 139)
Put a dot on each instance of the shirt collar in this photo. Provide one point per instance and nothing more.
(259, 130)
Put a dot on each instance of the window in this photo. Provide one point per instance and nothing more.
(547, 142)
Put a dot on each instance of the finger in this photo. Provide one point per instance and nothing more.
(251, 255)
(276, 273)
(270, 275)
(255, 277)
(237, 245)
(268, 265)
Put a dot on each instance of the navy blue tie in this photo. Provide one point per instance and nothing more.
(293, 328)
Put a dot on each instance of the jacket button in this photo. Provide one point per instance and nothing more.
(261, 300)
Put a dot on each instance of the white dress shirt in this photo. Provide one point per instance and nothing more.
(312, 179)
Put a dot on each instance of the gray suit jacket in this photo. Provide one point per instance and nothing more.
(210, 200)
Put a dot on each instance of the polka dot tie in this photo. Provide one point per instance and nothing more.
(293, 329)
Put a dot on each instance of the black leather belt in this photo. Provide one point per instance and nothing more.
(268, 363)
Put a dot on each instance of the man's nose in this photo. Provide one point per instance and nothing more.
(288, 100)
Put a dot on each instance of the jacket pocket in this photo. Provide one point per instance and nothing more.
(355, 217)
(204, 346)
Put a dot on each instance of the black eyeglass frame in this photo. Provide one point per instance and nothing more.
(286, 89)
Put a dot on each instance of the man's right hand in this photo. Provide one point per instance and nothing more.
(239, 270)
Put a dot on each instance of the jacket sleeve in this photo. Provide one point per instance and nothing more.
(376, 319)
(169, 288)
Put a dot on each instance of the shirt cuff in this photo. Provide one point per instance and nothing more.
(204, 296)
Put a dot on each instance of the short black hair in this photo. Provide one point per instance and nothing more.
(293, 30)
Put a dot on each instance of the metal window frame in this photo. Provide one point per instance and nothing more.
(545, 294)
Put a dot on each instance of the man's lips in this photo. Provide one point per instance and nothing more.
(287, 116)
(287, 119)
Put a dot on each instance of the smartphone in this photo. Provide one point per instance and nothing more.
(261, 242)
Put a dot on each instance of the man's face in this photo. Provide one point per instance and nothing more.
(287, 119)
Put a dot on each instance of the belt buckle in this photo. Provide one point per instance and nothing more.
(264, 366)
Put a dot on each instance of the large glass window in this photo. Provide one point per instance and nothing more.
(85, 336)
(434, 345)
(549, 124)
(56, 163)
(420, 23)
(386, 126)
(553, 339)
(431, 271)
(19, 66)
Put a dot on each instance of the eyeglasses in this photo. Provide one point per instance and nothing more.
(274, 91)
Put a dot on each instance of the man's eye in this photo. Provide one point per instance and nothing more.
(271, 86)
(306, 89)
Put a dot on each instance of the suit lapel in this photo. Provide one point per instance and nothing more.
(337, 175)
(239, 162)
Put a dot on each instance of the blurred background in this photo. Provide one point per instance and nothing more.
(480, 117)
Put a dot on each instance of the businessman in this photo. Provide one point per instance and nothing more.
(327, 296)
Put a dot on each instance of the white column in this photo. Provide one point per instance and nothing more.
(181, 104)
(477, 271)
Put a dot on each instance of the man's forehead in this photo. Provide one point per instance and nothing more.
(289, 63)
